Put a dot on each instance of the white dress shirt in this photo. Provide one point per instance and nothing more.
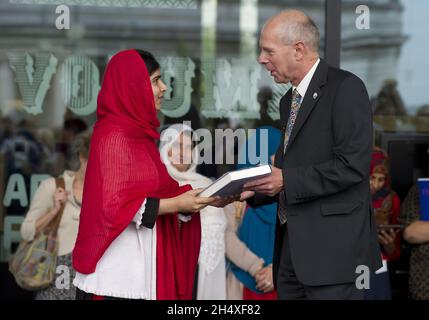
(305, 82)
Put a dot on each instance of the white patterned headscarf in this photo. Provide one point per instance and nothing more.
(213, 220)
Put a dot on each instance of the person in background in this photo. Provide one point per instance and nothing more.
(265, 95)
(250, 236)
(46, 204)
(416, 233)
(387, 208)
(6, 128)
(181, 158)
(389, 101)
(46, 139)
(22, 151)
(21, 154)
(72, 127)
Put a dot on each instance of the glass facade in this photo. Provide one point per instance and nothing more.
(390, 57)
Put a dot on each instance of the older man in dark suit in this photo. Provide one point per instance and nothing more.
(325, 235)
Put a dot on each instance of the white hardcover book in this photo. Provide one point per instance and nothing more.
(232, 182)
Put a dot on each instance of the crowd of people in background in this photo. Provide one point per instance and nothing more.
(28, 149)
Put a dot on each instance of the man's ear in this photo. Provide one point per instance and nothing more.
(300, 50)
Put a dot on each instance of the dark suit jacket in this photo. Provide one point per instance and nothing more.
(326, 181)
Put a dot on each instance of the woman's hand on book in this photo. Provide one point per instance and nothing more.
(189, 201)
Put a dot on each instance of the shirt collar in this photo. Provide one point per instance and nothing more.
(305, 82)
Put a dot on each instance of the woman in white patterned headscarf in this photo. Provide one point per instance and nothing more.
(181, 158)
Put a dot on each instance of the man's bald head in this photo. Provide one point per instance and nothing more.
(294, 26)
(289, 45)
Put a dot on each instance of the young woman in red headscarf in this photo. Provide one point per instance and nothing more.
(387, 208)
(131, 242)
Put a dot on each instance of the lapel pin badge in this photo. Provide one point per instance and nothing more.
(315, 95)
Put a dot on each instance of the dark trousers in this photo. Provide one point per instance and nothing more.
(290, 288)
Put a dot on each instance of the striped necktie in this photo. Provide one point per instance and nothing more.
(296, 104)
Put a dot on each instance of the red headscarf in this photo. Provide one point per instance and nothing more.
(124, 168)
(380, 164)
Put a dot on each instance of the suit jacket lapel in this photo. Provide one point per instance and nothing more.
(285, 105)
(312, 96)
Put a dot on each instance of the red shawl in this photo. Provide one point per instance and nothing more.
(124, 168)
